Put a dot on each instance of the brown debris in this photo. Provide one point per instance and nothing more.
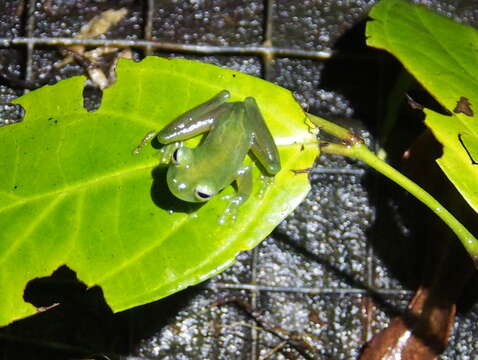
(463, 106)
(413, 104)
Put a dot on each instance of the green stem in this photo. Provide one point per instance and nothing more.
(360, 151)
(333, 129)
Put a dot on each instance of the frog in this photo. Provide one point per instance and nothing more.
(232, 130)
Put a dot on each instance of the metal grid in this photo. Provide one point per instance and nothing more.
(360, 288)
(147, 45)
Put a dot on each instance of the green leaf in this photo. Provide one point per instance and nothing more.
(72, 191)
(441, 54)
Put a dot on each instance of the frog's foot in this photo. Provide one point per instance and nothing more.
(167, 151)
(230, 214)
(265, 182)
(143, 142)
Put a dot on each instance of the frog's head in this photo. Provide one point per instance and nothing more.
(185, 181)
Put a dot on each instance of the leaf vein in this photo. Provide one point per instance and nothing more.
(134, 259)
(30, 228)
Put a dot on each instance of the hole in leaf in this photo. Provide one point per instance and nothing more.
(82, 325)
(92, 97)
(11, 113)
(61, 287)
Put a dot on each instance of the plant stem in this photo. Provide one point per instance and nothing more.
(359, 151)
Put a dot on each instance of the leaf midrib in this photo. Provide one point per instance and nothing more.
(153, 162)
(159, 242)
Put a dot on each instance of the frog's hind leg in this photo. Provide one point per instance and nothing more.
(244, 183)
(244, 190)
(263, 145)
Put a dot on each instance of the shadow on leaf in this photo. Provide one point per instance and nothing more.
(163, 198)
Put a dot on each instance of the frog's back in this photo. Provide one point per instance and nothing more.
(225, 147)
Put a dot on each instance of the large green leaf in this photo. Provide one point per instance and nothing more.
(72, 192)
(441, 54)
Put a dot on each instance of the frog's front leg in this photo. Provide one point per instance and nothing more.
(143, 142)
(244, 190)
(195, 121)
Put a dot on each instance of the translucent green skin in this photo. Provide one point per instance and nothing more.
(197, 174)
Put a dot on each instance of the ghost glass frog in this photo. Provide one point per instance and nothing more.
(234, 128)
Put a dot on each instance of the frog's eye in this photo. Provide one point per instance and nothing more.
(181, 156)
(203, 193)
(175, 157)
